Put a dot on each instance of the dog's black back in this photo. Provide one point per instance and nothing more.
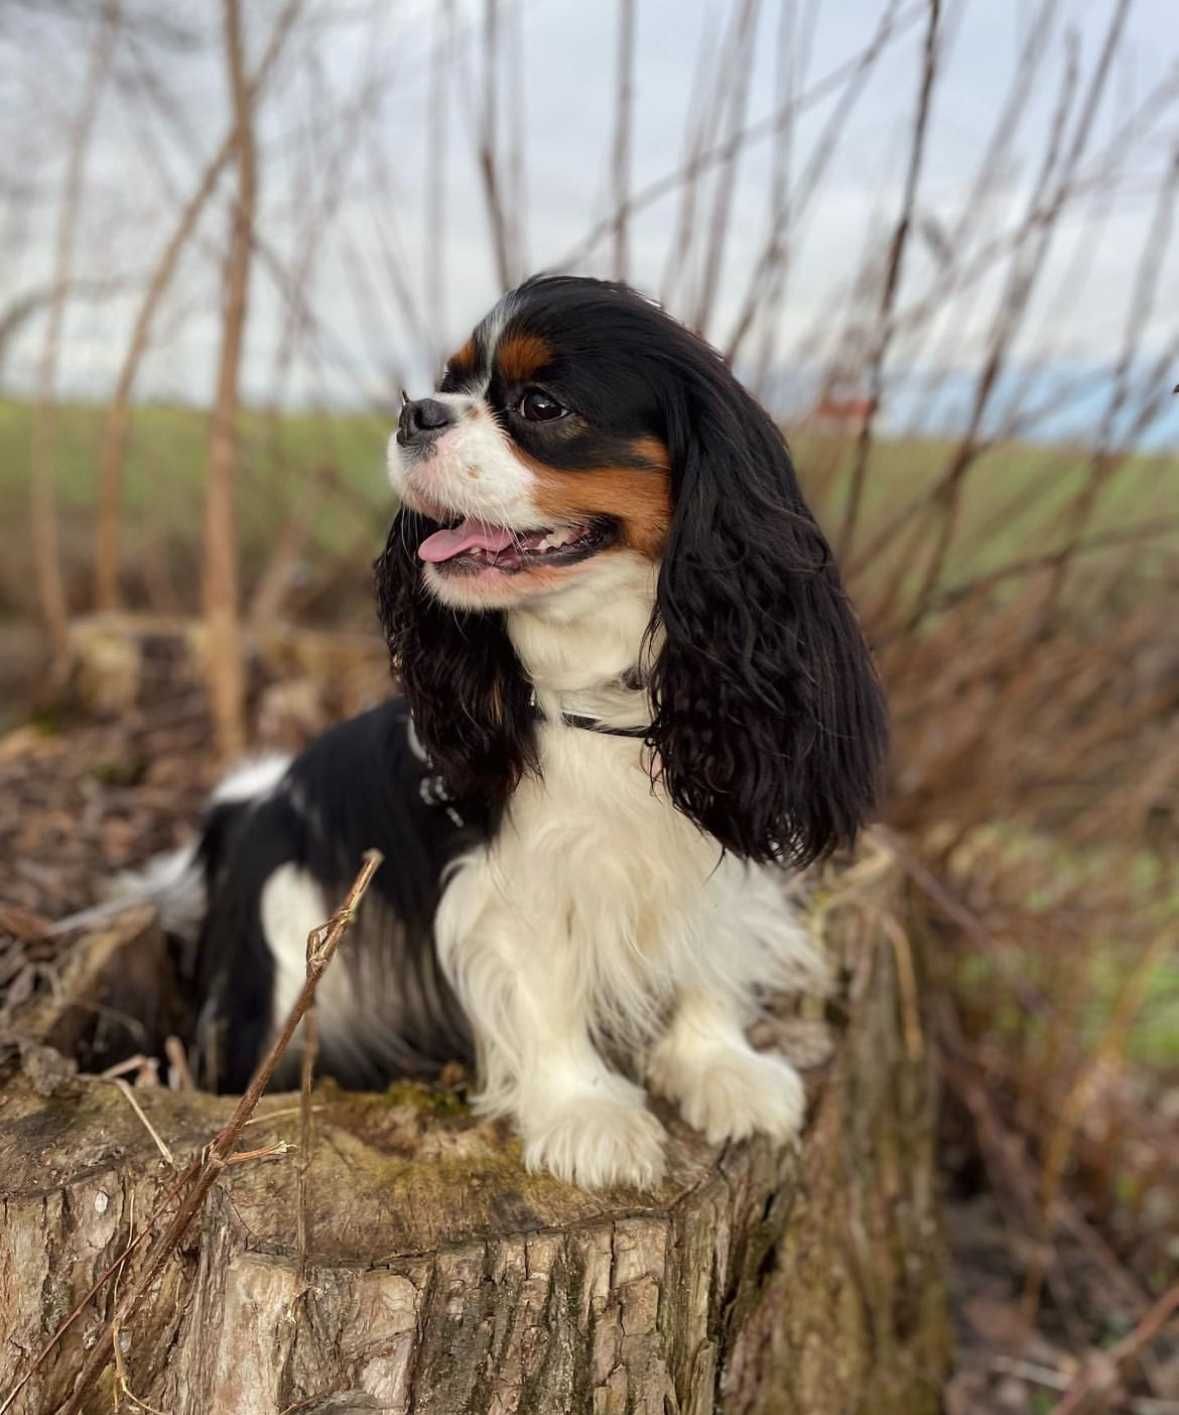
(362, 784)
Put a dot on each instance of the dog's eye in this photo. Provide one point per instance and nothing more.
(538, 407)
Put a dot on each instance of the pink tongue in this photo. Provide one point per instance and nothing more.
(445, 545)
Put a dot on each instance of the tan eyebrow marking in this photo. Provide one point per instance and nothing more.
(464, 363)
(521, 356)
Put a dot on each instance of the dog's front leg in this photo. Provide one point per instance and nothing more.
(537, 1063)
(722, 1086)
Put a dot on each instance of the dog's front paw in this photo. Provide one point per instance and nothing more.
(597, 1141)
(728, 1092)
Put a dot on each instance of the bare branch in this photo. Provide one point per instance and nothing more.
(711, 157)
(1155, 246)
(223, 651)
(1021, 283)
(118, 416)
(42, 474)
(892, 278)
(487, 152)
(623, 126)
(437, 156)
(722, 204)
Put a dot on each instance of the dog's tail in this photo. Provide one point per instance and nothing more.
(176, 883)
(173, 883)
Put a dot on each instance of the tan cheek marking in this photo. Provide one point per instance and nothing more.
(521, 356)
(639, 498)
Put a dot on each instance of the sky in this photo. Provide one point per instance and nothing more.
(361, 342)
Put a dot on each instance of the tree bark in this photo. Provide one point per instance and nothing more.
(442, 1279)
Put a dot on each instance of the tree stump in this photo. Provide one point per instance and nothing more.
(442, 1279)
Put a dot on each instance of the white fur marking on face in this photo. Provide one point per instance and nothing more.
(493, 325)
(469, 403)
(470, 470)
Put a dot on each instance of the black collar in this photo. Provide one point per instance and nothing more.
(433, 788)
(630, 679)
(592, 724)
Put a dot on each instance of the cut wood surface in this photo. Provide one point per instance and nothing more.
(443, 1279)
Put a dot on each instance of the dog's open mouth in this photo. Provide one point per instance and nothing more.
(471, 546)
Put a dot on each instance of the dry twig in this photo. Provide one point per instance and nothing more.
(129, 1096)
(42, 474)
(1100, 1374)
(892, 277)
(224, 666)
(117, 423)
(623, 127)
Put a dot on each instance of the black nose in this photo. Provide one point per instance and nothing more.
(421, 421)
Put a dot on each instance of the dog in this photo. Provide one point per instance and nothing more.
(634, 703)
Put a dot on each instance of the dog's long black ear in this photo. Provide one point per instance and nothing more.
(468, 695)
(770, 721)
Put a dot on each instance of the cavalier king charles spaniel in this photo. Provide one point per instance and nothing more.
(634, 698)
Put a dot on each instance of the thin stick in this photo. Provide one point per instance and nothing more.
(1138, 533)
(486, 155)
(179, 1076)
(224, 666)
(1129, 1346)
(785, 208)
(907, 979)
(121, 1068)
(993, 165)
(306, 1077)
(892, 278)
(711, 157)
(437, 159)
(204, 1169)
(1054, 184)
(42, 459)
(121, 1379)
(722, 198)
(769, 271)
(267, 1152)
(701, 103)
(1142, 304)
(623, 124)
(278, 1114)
(129, 1095)
(517, 185)
(118, 417)
(1017, 296)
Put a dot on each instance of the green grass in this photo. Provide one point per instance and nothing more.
(1153, 892)
(279, 455)
(165, 467)
(1014, 497)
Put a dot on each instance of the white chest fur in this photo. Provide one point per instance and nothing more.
(599, 911)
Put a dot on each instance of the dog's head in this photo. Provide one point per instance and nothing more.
(580, 424)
